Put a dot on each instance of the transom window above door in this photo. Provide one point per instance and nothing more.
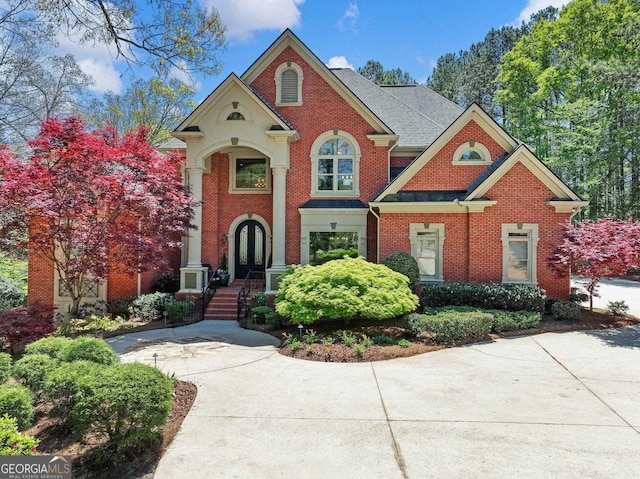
(335, 167)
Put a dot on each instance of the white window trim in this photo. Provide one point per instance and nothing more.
(532, 230)
(320, 220)
(315, 148)
(414, 230)
(278, 80)
(228, 109)
(479, 148)
(247, 154)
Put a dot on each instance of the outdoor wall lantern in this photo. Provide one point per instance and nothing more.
(224, 238)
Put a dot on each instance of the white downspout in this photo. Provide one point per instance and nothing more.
(377, 233)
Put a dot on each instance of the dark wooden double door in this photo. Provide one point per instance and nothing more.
(250, 248)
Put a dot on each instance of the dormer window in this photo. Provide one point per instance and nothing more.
(236, 115)
(288, 80)
(472, 153)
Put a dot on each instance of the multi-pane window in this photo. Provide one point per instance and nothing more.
(335, 166)
(519, 250)
(427, 241)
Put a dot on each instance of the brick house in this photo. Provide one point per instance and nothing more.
(292, 158)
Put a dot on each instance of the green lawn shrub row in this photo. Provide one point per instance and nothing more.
(510, 297)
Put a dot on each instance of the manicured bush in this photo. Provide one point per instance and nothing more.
(5, 367)
(340, 253)
(33, 369)
(89, 349)
(405, 264)
(566, 310)
(344, 289)
(450, 326)
(510, 297)
(51, 346)
(65, 384)
(259, 298)
(548, 304)
(150, 307)
(513, 320)
(264, 314)
(166, 283)
(24, 325)
(85, 310)
(11, 294)
(12, 441)
(125, 402)
(121, 306)
(94, 324)
(17, 402)
(177, 311)
(617, 308)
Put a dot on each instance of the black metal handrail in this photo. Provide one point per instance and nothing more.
(254, 281)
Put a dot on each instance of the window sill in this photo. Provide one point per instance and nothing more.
(295, 103)
(250, 192)
(471, 163)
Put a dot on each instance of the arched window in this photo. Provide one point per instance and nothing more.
(236, 115)
(335, 165)
(288, 80)
(472, 153)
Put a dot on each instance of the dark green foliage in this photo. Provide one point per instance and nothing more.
(406, 264)
(566, 310)
(382, 339)
(340, 253)
(11, 294)
(259, 298)
(33, 370)
(548, 304)
(64, 385)
(125, 402)
(17, 402)
(5, 367)
(88, 349)
(51, 346)
(177, 311)
(264, 314)
(451, 326)
(374, 71)
(150, 307)
(166, 283)
(513, 320)
(511, 297)
(121, 306)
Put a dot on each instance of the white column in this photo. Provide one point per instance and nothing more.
(192, 276)
(279, 228)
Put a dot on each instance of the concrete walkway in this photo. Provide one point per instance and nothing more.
(547, 406)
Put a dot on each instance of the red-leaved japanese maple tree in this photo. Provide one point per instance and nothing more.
(94, 202)
(599, 249)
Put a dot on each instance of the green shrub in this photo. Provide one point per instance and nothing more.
(12, 441)
(166, 283)
(33, 370)
(617, 308)
(510, 297)
(382, 339)
(99, 307)
(121, 306)
(403, 343)
(17, 402)
(51, 346)
(125, 402)
(334, 254)
(89, 349)
(450, 326)
(5, 367)
(405, 264)
(259, 298)
(264, 314)
(178, 311)
(513, 320)
(548, 304)
(11, 294)
(343, 289)
(566, 310)
(65, 384)
(150, 307)
(93, 324)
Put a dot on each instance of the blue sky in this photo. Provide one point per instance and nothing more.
(410, 34)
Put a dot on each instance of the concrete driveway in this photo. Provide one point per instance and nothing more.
(613, 290)
(548, 406)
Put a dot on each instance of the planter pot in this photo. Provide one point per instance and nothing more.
(224, 279)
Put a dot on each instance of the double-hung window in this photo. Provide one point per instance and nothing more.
(519, 251)
(427, 244)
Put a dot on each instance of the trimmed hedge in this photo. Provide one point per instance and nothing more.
(65, 385)
(150, 307)
(406, 264)
(5, 367)
(17, 402)
(510, 297)
(88, 349)
(566, 310)
(449, 326)
(51, 346)
(33, 369)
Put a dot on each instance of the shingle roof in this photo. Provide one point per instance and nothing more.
(417, 125)
(486, 173)
(425, 196)
(343, 204)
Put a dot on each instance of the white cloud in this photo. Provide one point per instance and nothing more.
(339, 62)
(243, 17)
(184, 77)
(534, 6)
(96, 60)
(350, 17)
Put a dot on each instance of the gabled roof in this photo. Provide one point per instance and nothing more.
(289, 39)
(416, 128)
(474, 112)
(423, 99)
(232, 81)
(522, 154)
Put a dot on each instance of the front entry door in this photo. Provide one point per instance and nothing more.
(250, 248)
